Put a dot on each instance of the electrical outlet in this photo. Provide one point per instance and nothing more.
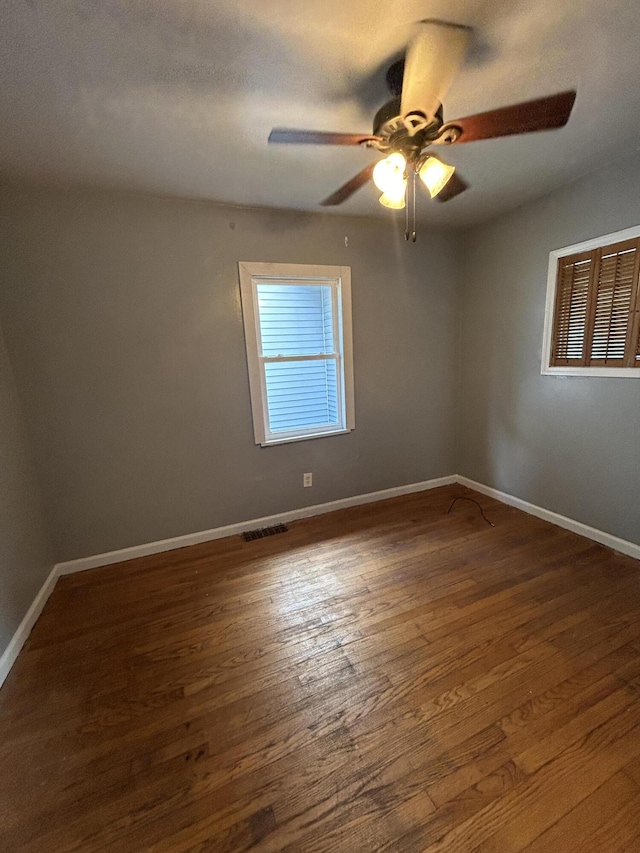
(307, 480)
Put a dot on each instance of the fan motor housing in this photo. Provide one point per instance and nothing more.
(392, 128)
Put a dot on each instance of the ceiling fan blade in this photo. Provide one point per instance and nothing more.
(317, 137)
(541, 114)
(348, 189)
(454, 186)
(433, 57)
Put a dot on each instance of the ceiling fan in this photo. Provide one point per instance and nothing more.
(406, 127)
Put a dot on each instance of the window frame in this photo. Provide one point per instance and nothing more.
(547, 368)
(338, 278)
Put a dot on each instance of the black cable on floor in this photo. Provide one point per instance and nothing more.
(465, 498)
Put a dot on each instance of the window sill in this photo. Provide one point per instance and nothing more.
(610, 372)
(269, 442)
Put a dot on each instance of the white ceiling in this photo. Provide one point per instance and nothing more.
(178, 96)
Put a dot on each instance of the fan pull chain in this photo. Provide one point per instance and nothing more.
(410, 207)
(413, 205)
(406, 214)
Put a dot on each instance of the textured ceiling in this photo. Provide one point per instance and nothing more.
(177, 96)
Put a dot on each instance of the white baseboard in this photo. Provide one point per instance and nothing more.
(608, 539)
(158, 547)
(18, 640)
(24, 629)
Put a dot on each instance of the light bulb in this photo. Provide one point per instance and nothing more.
(435, 174)
(388, 174)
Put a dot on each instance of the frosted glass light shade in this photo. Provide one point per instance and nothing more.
(394, 202)
(435, 174)
(388, 174)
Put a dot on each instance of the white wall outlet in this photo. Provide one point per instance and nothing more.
(307, 480)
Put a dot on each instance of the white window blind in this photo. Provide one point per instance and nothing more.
(299, 367)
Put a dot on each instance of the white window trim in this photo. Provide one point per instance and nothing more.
(554, 257)
(251, 273)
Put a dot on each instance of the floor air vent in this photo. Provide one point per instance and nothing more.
(261, 532)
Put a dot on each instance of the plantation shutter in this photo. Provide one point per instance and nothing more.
(596, 321)
(572, 302)
(612, 302)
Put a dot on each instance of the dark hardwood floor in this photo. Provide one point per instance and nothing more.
(384, 678)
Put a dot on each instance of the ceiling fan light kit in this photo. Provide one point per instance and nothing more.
(390, 176)
(412, 120)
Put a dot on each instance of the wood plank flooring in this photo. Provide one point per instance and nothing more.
(385, 678)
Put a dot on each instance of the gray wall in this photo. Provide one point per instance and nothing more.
(123, 325)
(569, 444)
(25, 550)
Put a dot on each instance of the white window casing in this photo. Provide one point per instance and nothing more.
(298, 336)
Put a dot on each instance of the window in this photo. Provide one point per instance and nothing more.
(592, 322)
(297, 326)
